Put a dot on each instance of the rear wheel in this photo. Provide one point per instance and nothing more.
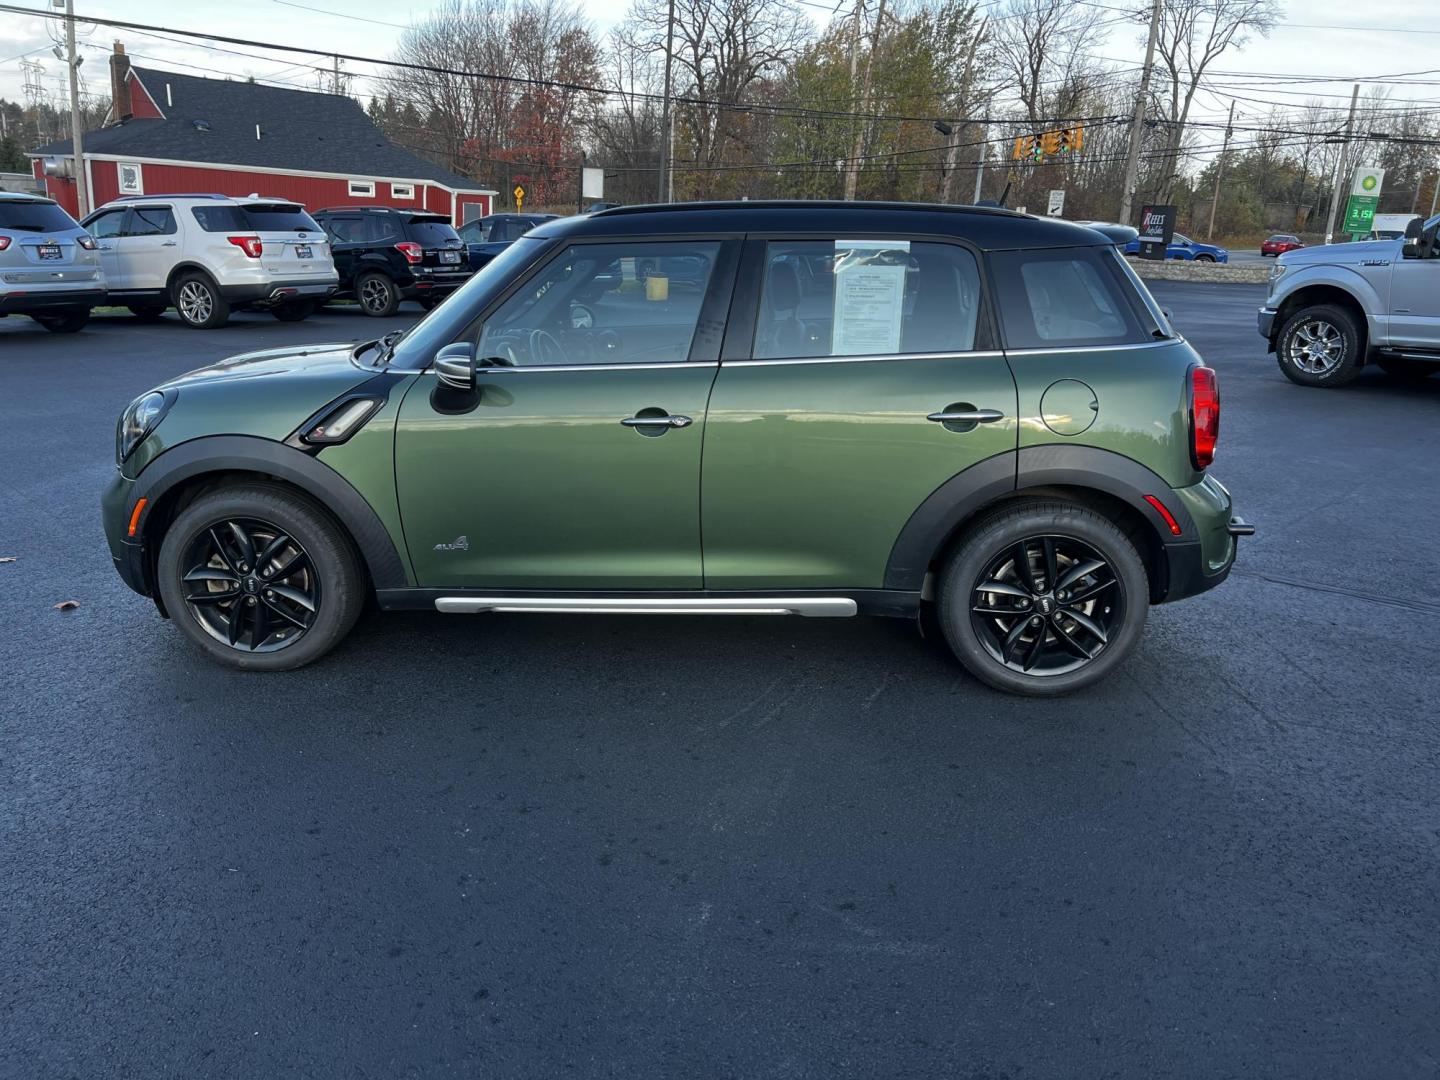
(295, 311)
(199, 303)
(377, 295)
(1407, 370)
(147, 312)
(1320, 346)
(64, 322)
(259, 577)
(1043, 598)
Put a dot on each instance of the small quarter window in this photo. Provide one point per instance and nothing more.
(363, 188)
(866, 297)
(402, 191)
(1064, 296)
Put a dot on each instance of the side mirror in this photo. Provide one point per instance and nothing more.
(455, 365)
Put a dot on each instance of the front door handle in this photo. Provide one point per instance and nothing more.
(658, 420)
(967, 416)
(168, 243)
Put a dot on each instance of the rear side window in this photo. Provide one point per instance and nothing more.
(219, 218)
(866, 297)
(1065, 296)
(34, 217)
(278, 217)
(432, 233)
(150, 221)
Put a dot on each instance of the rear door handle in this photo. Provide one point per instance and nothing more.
(657, 421)
(967, 416)
(168, 243)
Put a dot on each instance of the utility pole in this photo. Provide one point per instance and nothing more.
(1220, 170)
(335, 76)
(1434, 195)
(1132, 152)
(1340, 166)
(77, 134)
(852, 176)
(666, 191)
(980, 164)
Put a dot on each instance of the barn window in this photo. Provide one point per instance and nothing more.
(402, 191)
(364, 188)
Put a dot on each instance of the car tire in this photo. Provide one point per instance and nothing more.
(1205, 258)
(198, 302)
(328, 577)
(147, 312)
(65, 322)
(1320, 346)
(295, 311)
(1407, 370)
(378, 296)
(1021, 636)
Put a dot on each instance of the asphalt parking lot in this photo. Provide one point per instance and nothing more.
(533, 846)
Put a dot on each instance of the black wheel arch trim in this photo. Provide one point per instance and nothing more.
(934, 522)
(248, 453)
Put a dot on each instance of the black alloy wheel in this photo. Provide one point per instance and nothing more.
(1047, 605)
(251, 585)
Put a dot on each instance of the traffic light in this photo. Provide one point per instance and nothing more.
(1024, 147)
(1050, 142)
(1072, 138)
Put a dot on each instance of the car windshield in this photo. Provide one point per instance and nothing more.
(447, 322)
(34, 217)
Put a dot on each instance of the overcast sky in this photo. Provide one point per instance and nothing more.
(1321, 39)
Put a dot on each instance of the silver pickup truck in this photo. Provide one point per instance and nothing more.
(1333, 309)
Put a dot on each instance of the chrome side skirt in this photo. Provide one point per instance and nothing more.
(814, 606)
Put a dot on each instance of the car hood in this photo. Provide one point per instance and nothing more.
(1365, 251)
(295, 363)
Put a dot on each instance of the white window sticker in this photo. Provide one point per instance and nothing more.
(132, 177)
(869, 296)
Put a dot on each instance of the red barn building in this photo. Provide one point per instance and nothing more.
(170, 134)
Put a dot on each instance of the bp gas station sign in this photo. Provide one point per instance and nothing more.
(1364, 199)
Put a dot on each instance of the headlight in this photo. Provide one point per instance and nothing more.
(1276, 272)
(139, 420)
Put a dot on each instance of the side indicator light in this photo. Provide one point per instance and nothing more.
(1169, 518)
(135, 515)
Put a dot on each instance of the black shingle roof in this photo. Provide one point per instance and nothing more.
(299, 129)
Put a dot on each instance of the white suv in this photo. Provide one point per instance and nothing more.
(204, 255)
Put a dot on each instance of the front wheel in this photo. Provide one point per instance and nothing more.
(1204, 258)
(259, 577)
(1320, 346)
(1043, 598)
(65, 322)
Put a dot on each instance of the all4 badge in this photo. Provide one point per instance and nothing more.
(460, 543)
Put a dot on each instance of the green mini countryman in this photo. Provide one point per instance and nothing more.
(969, 417)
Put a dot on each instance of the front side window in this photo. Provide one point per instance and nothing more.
(605, 304)
(866, 297)
(1053, 297)
(106, 225)
(150, 221)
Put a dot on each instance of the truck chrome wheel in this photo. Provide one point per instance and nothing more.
(1316, 347)
(1047, 605)
(250, 585)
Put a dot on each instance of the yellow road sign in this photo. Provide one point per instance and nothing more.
(519, 196)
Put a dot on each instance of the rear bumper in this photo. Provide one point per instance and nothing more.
(1196, 566)
(21, 303)
(268, 293)
(428, 281)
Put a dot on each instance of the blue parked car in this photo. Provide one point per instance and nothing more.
(1182, 247)
(488, 236)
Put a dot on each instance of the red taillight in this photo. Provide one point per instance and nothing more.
(412, 251)
(86, 242)
(1204, 416)
(4, 242)
(251, 245)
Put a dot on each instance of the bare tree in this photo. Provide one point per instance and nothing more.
(1042, 46)
(1193, 33)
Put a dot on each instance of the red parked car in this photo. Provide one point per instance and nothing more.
(1280, 243)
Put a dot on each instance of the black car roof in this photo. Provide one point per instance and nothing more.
(987, 227)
